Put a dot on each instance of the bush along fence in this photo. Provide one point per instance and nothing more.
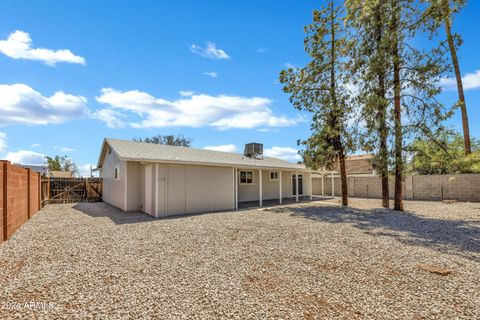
(460, 187)
(20, 197)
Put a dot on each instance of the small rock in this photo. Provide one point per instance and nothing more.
(449, 201)
(434, 269)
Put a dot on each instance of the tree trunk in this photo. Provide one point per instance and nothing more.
(458, 76)
(338, 139)
(383, 161)
(343, 176)
(398, 201)
(382, 112)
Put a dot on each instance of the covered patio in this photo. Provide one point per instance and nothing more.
(266, 187)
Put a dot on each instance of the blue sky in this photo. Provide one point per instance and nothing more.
(207, 70)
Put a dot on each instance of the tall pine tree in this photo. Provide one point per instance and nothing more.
(321, 88)
(411, 75)
(441, 12)
(371, 69)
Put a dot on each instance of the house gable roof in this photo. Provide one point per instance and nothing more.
(150, 152)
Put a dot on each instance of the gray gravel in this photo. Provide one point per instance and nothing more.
(307, 261)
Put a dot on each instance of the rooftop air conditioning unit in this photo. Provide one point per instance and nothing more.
(253, 150)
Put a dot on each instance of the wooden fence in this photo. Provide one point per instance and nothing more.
(68, 190)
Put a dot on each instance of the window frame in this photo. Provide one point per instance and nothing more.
(246, 183)
(116, 173)
(277, 174)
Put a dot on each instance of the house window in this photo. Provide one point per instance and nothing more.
(273, 175)
(116, 176)
(246, 177)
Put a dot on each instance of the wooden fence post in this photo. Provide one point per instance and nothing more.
(48, 188)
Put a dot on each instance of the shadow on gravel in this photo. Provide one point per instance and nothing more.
(448, 236)
(104, 210)
(118, 216)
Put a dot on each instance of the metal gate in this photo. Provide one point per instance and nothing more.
(68, 190)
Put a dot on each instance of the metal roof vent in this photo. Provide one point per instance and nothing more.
(253, 150)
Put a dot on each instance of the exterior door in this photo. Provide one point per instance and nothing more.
(161, 190)
(300, 185)
(148, 190)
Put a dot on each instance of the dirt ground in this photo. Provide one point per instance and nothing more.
(312, 260)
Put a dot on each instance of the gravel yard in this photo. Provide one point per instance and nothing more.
(306, 261)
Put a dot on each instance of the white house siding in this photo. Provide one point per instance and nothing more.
(136, 186)
(113, 190)
(248, 192)
(177, 189)
(185, 189)
(209, 189)
(270, 187)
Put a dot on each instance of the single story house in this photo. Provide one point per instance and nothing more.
(43, 170)
(362, 164)
(163, 180)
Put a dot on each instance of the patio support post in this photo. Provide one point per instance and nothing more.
(280, 186)
(126, 187)
(156, 190)
(311, 188)
(333, 187)
(296, 186)
(323, 187)
(234, 189)
(260, 183)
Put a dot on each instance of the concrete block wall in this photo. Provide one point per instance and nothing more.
(20, 192)
(34, 184)
(462, 187)
(17, 198)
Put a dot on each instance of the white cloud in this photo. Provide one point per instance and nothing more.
(210, 51)
(470, 81)
(84, 170)
(3, 142)
(36, 145)
(19, 46)
(186, 93)
(211, 74)
(285, 153)
(65, 149)
(20, 104)
(110, 117)
(198, 110)
(261, 50)
(223, 147)
(26, 157)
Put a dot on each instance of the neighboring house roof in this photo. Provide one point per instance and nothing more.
(357, 164)
(61, 174)
(43, 170)
(141, 151)
(360, 157)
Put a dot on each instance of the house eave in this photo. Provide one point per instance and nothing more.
(214, 164)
